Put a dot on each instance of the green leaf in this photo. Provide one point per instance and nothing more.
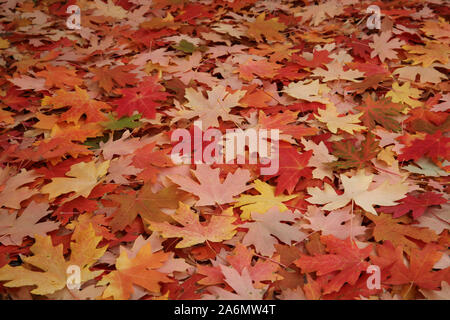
(427, 168)
(352, 157)
(380, 112)
(186, 46)
(123, 123)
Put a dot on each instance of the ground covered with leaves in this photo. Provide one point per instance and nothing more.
(87, 180)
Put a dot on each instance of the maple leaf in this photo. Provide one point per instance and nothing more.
(117, 89)
(219, 228)
(241, 283)
(148, 159)
(427, 168)
(240, 258)
(263, 270)
(84, 177)
(146, 203)
(119, 75)
(13, 98)
(277, 51)
(319, 159)
(6, 117)
(159, 23)
(119, 168)
(404, 94)
(218, 104)
(383, 48)
(97, 221)
(307, 90)
(13, 229)
(431, 52)
(260, 68)
(262, 202)
(140, 270)
(427, 74)
(122, 146)
(50, 260)
(416, 204)
(53, 150)
(334, 121)
(388, 228)
(318, 13)
(344, 257)
(319, 58)
(285, 123)
(57, 76)
(370, 82)
(79, 103)
(443, 294)
(4, 43)
(262, 232)
(109, 9)
(380, 112)
(419, 272)
(13, 191)
(209, 187)
(186, 46)
(292, 166)
(355, 158)
(122, 123)
(143, 98)
(338, 223)
(270, 29)
(433, 146)
(335, 71)
(356, 189)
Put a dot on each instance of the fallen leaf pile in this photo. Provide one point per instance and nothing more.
(87, 179)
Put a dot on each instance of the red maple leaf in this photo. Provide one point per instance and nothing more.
(148, 159)
(292, 166)
(343, 263)
(420, 271)
(14, 99)
(320, 58)
(433, 146)
(417, 204)
(143, 99)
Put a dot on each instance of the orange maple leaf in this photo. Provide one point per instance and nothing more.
(79, 104)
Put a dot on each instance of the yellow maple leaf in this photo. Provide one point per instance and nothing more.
(437, 29)
(267, 28)
(109, 9)
(310, 91)
(159, 23)
(139, 270)
(433, 51)
(219, 228)
(6, 116)
(50, 260)
(403, 94)
(387, 155)
(334, 121)
(263, 202)
(4, 43)
(84, 177)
